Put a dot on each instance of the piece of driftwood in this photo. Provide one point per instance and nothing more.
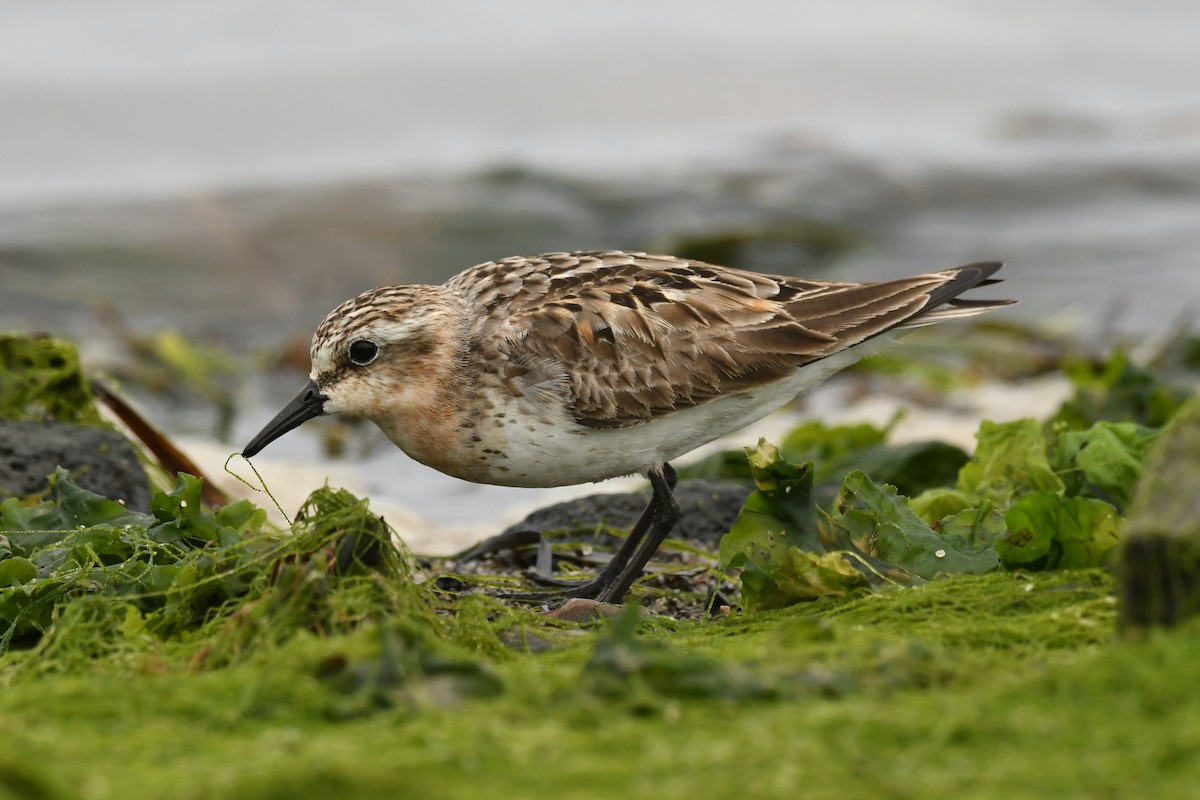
(171, 458)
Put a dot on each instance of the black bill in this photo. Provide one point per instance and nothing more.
(306, 405)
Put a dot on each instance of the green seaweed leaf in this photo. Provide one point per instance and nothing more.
(781, 513)
(68, 508)
(1010, 459)
(16, 571)
(934, 505)
(836, 450)
(1046, 531)
(182, 516)
(1104, 461)
(776, 540)
(974, 529)
(799, 576)
(876, 522)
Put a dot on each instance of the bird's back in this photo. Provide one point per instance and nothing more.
(628, 338)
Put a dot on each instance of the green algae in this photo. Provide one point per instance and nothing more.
(1005, 685)
(1023, 501)
(40, 379)
(331, 679)
(837, 450)
(329, 668)
(1117, 389)
(196, 653)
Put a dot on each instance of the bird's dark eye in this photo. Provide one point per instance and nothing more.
(363, 352)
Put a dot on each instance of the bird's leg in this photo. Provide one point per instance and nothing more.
(662, 513)
(627, 563)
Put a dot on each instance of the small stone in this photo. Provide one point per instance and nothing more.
(579, 609)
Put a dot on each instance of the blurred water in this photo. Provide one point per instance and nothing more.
(137, 97)
(144, 142)
(237, 168)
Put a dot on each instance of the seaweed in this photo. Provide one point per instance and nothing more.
(195, 651)
(40, 379)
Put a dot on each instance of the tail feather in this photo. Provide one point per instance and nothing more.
(944, 301)
(968, 276)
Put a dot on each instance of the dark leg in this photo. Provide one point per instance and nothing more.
(626, 566)
(664, 513)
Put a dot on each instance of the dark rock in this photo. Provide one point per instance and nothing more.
(709, 511)
(100, 461)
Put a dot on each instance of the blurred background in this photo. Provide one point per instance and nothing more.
(198, 183)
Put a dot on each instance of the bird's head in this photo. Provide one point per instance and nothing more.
(375, 357)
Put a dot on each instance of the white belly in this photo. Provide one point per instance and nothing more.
(557, 451)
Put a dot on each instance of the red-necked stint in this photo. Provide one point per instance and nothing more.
(566, 368)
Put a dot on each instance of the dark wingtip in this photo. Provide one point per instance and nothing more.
(968, 276)
(979, 271)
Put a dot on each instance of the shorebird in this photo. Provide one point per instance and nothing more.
(567, 368)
